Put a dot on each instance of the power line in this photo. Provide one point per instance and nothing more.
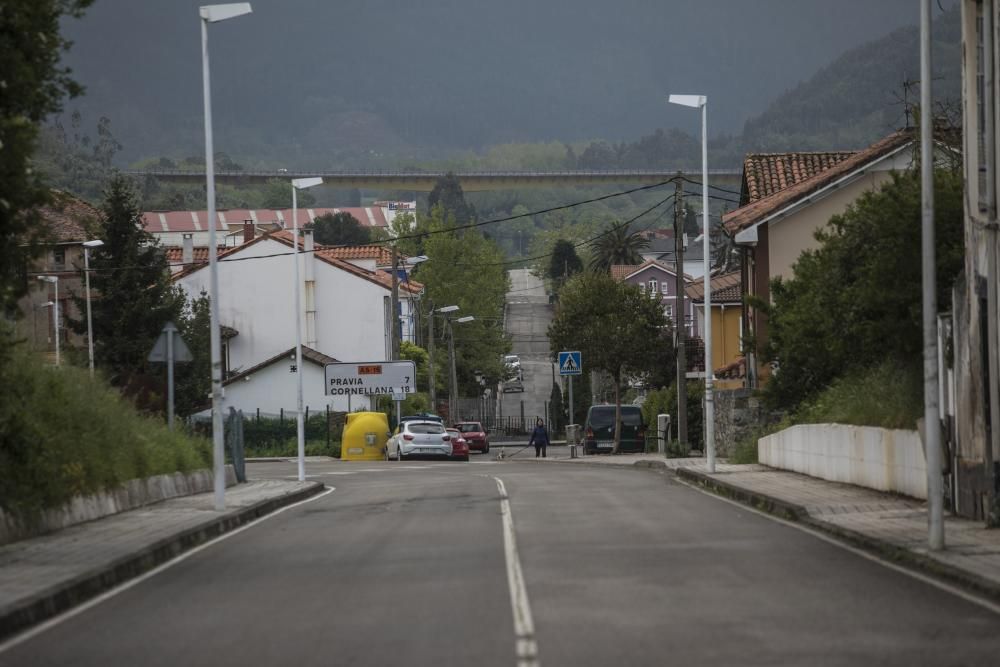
(710, 186)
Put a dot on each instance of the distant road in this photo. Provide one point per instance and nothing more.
(528, 317)
(423, 181)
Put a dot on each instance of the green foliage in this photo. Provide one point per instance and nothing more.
(856, 300)
(557, 411)
(132, 296)
(340, 229)
(664, 401)
(464, 269)
(74, 161)
(63, 434)
(268, 436)
(33, 86)
(888, 395)
(564, 262)
(193, 380)
(448, 194)
(617, 246)
(419, 357)
(613, 325)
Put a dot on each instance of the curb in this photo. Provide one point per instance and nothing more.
(64, 595)
(887, 551)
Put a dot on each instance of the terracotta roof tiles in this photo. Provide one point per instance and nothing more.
(767, 173)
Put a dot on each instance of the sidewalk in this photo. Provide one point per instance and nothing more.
(894, 527)
(43, 576)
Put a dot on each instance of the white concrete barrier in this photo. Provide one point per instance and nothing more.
(876, 458)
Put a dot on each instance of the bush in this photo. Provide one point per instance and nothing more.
(64, 434)
(888, 395)
(664, 401)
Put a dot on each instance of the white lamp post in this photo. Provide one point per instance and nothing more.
(214, 14)
(87, 245)
(55, 309)
(430, 349)
(701, 101)
(453, 393)
(299, 184)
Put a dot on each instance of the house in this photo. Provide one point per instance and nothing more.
(727, 320)
(659, 280)
(662, 249)
(971, 402)
(347, 308)
(786, 198)
(66, 220)
(270, 388)
(169, 227)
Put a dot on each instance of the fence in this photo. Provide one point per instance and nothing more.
(267, 434)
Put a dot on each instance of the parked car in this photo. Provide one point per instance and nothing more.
(419, 438)
(513, 362)
(459, 445)
(474, 434)
(599, 429)
(425, 417)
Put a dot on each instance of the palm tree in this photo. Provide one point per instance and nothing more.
(617, 246)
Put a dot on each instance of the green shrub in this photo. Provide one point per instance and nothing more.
(888, 395)
(63, 433)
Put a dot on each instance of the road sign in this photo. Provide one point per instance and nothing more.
(159, 352)
(371, 378)
(570, 363)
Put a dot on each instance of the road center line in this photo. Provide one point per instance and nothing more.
(526, 648)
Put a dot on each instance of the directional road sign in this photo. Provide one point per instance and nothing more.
(371, 378)
(570, 363)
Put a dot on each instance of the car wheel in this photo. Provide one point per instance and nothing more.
(486, 450)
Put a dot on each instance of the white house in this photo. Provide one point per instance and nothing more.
(346, 308)
(272, 386)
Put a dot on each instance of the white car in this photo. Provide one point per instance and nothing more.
(423, 438)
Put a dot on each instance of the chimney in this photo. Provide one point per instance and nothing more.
(308, 262)
(187, 252)
(248, 231)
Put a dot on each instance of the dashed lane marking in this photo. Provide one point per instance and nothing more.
(525, 647)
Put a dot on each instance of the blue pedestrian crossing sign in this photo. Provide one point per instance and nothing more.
(570, 364)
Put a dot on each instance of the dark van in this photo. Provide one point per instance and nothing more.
(599, 430)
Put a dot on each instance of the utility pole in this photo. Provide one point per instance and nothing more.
(394, 320)
(679, 332)
(430, 356)
(453, 391)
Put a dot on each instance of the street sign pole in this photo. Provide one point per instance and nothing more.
(571, 400)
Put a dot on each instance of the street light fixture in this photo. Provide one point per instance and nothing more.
(55, 281)
(701, 101)
(299, 184)
(430, 348)
(87, 245)
(214, 14)
(453, 391)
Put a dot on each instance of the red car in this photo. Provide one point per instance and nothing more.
(475, 435)
(459, 446)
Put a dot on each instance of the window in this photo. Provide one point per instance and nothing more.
(670, 313)
(59, 259)
(664, 288)
(642, 287)
(652, 286)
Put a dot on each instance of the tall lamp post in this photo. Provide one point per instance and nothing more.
(453, 392)
(87, 245)
(701, 101)
(214, 14)
(300, 429)
(430, 349)
(55, 310)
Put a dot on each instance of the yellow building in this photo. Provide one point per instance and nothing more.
(727, 324)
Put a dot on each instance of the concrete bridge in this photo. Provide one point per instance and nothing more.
(478, 181)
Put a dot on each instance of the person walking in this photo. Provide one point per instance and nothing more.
(539, 438)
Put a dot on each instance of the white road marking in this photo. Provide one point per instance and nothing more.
(948, 588)
(93, 602)
(526, 647)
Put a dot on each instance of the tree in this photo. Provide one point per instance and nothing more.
(34, 86)
(856, 300)
(192, 380)
(617, 246)
(130, 280)
(614, 325)
(448, 194)
(564, 262)
(340, 229)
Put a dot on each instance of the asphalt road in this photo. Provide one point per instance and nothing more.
(410, 564)
(528, 318)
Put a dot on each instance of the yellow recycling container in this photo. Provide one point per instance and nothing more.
(365, 435)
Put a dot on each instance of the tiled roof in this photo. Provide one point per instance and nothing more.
(623, 271)
(308, 354)
(158, 222)
(619, 271)
(767, 173)
(381, 254)
(175, 253)
(68, 217)
(725, 289)
(755, 212)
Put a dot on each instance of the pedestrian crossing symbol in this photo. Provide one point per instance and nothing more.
(570, 364)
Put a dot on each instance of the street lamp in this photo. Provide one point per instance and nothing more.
(696, 101)
(214, 14)
(299, 184)
(55, 309)
(430, 347)
(453, 392)
(87, 245)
